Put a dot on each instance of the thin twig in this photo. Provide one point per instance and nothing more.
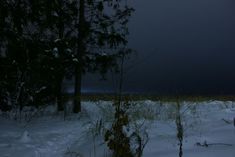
(205, 144)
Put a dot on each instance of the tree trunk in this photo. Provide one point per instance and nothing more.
(80, 54)
(60, 104)
(77, 90)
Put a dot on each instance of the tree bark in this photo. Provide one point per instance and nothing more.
(60, 77)
(77, 90)
(80, 54)
(60, 104)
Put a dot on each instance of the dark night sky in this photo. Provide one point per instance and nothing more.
(184, 46)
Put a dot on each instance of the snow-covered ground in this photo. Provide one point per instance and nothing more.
(49, 134)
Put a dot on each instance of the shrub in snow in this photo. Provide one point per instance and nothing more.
(116, 138)
(123, 140)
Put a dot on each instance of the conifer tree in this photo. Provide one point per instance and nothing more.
(42, 42)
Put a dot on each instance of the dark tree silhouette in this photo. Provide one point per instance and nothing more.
(102, 32)
(42, 42)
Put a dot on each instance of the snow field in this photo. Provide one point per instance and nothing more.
(50, 135)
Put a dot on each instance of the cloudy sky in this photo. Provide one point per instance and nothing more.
(184, 46)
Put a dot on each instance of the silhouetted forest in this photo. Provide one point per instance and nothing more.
(44, 42)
